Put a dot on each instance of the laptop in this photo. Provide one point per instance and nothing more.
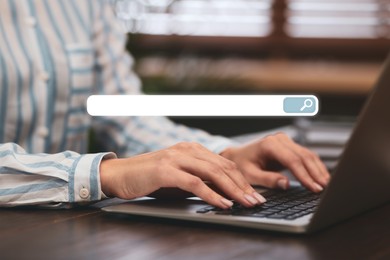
(360, 182)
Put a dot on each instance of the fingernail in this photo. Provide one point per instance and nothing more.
(260, 198)
(283, 184)
(226, 202)
(318, 187)
(251, 199)
(324, 182)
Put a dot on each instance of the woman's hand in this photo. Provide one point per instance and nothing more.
(185, 166)
(261, 160)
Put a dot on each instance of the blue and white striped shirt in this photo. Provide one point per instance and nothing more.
(53, 55)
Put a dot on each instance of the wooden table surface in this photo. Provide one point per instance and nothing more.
(88, 233)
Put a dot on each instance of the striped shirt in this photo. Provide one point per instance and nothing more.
(53, 55)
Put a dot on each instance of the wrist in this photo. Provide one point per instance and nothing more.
(109, 168)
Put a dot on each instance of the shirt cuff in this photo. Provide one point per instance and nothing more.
(84, 183)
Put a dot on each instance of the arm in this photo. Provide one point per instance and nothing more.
(27, 179)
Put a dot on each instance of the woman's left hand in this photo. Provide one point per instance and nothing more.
(261, 161)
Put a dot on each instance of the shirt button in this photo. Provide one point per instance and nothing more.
(43, 131)
(44, 76)
(84, 193)
(31, 21)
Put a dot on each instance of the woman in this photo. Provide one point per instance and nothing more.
(53, 55)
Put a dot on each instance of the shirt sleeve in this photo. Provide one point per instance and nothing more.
(134, 135)
(30, 179)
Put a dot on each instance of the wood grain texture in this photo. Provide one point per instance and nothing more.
(92, 234)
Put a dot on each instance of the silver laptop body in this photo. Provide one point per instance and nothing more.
(360, 181)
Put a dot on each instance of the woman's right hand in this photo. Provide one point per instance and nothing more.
(185, 166)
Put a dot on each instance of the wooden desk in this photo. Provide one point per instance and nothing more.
(92, 234)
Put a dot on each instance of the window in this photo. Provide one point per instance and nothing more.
(356, 19)
(278, 26)
(245, 18)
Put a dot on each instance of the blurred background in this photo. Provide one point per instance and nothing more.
(333, 49)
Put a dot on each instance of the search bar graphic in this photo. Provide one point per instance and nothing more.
(202, 105)
(297, 105)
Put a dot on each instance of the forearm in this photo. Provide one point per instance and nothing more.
(28, 179)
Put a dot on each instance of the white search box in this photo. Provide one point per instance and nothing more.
(202, 105)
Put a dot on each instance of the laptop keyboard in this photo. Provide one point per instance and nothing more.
(291, 204)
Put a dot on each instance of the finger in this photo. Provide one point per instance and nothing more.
(307, 158)
(218, 170)
(231, 181)
(311, 161)
(269, 179)
(324, 170)
(282, 153)
(301, 173)
(323, 174)
(217, 175)
(190, 183)
(312, 167)
(231, 169)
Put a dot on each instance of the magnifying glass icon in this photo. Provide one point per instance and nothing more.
(308, 103)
